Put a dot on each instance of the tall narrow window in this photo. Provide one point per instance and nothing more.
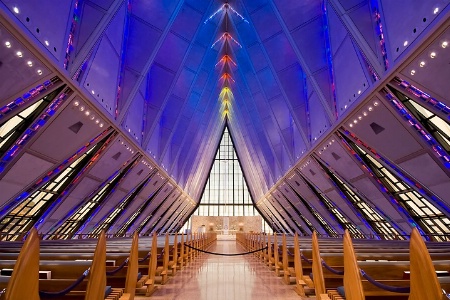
(422, 211)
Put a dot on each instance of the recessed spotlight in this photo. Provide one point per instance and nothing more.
(413, 72)
(87, 113)
(405, 43)
(359, 118)
(92, 117)
(19, 54)
(98, 121)
(93, 92)
(8, 44)
(436, 10)
(16, 9)
(101, 125)
(46, 43)
(433, 54)
(370, 108)
(375, 103)
(82, 108)
(444, 44)
(364, 113)
(351, 125)
(422, 64)
(76, 103)
(30, 63)
(355, 121)
(39, 71)
(359, 92)
(345, 106)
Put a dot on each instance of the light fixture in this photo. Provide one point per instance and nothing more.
(370, 108)
(97, 121)
(436, 10)
(359, 117)
(351, 125)
(39, 71)
(433, 54)
(101, 125)
(8, 44)
(19, 53)
(444, 44)
(92, 117)
(405, 43)
(364, 113)
(375, 103)
(345, 106)
(87, 113)
(355, 121)
(46, 43)
(82, 108)
(413, 72)
(359, 92)
(16, 9)
(93, 92)
(30, 63)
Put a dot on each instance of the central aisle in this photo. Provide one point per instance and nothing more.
(212, 277)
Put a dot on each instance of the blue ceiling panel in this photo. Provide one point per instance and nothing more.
(159, 81)
(129, 81)
(310, 40)
(194, 58)
(133, 121)
(172, 52)
(280, 52)
(101, 80)
(296, 13)
(171, 111)
(323, 81)
(265, 22)
(207, 34)
(200, 83)
(138, 52)
(272, 131)
(319, 121)
(350, 77)
(281, 112)
(156, 13)
(269, 83)
(257, 57)
(187, 22)
(191, 105)
(252, 5)
(366, 26)
(263, 108)
(115, 30)
(348, 4)
(91, 17)
(337, 31)
(247, 34)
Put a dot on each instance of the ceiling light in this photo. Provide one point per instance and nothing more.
(413, 72)
(87, 113)
(8, 44)
(30, 63)
(101, 125)
(39, 71)
(76, 103)
(370, 108)
(359, 117)
(405, 43)
(359, 92)
(92, 117)
(444, 44)
(345, 106)
(97, 121)
(47, 43)
(375, 103)
(93, 92)
(351, 125)
(19, 54)
(436, 10)
(422, 64)
(82, 108)
(433, 54)
(16, 9)
(364, 113)
(355, 121)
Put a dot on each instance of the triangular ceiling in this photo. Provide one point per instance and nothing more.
(170, 74)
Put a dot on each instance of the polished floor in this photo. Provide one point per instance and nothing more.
(212, 277)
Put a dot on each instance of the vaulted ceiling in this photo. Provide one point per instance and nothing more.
(169, 74)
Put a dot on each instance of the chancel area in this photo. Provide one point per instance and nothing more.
(224, 149)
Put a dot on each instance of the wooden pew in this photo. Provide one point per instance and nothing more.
(26, 271)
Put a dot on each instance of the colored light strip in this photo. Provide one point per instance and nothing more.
(225, 7)
(31, 131)
(73, 26)
(374, 4)
(411, 89)
(329, 57)
(437, 148)
(226, 76)
(226, 59)
(226, 36)
(30, 95)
